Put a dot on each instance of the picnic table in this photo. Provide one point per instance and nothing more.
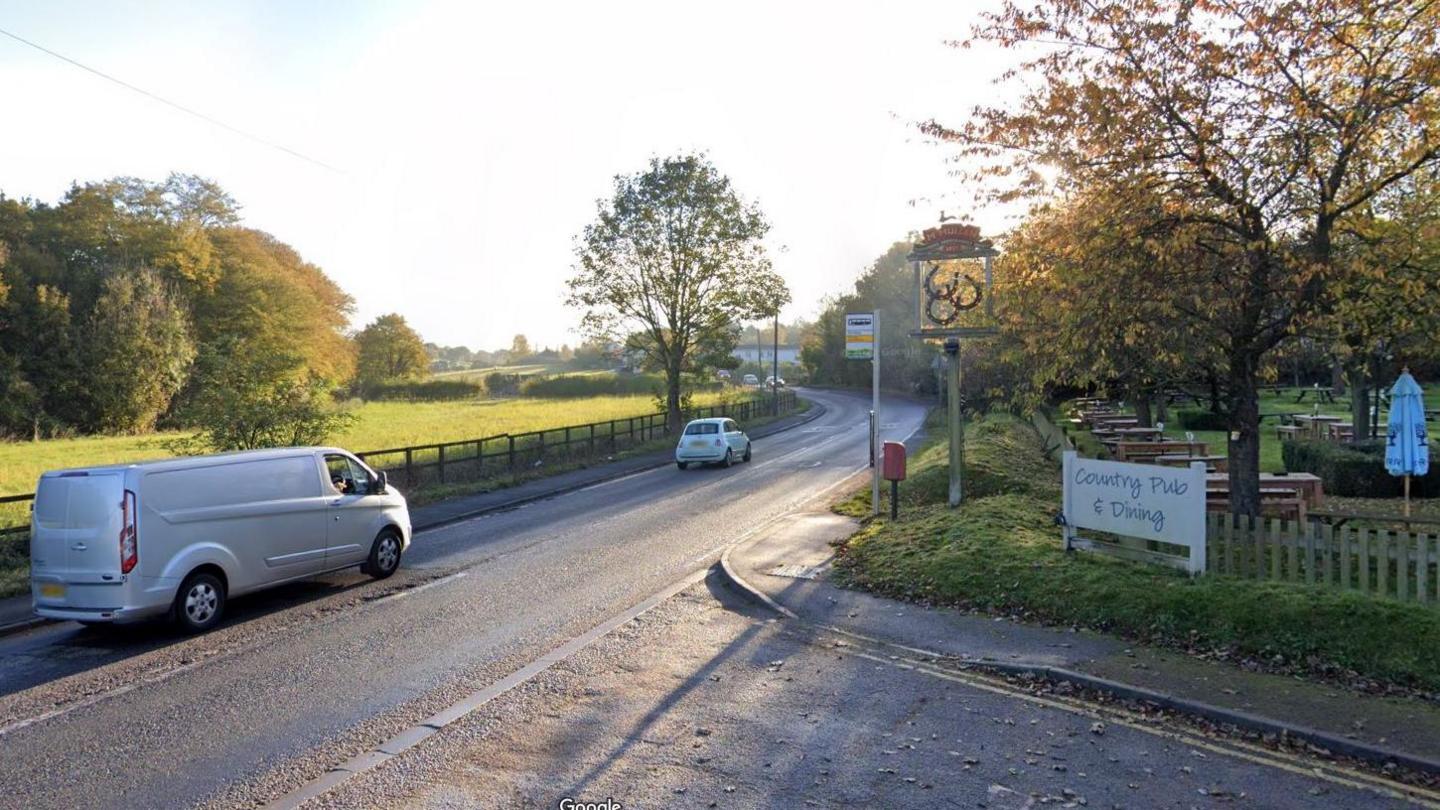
(1278, 502)
(1217, 464)
(1321, 394)
(1339, 431)
(1112, 420)
(1308, 485)
(1132, 450)
(1314, 422)
(1113, 430)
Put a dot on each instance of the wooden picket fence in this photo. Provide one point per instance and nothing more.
(1401, 565)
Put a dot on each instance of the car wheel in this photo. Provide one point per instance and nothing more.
(729, 459)
(200, 602)
(384, 555)
(682, 464)
(747, 451)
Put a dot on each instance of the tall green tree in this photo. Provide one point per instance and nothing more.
(138, 350)
(676, 257)
(389, 350)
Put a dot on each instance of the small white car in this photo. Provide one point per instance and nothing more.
(750, 379)
(715, 441)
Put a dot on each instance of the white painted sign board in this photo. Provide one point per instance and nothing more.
(859, 336)
(1145, 501)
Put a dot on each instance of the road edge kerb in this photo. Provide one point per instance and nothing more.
(745, 589)
(815, 411)
(1240, 719)
(22, 625)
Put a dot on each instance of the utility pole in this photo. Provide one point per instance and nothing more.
(775, 368)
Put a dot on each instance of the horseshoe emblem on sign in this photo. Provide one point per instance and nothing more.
(946, 299)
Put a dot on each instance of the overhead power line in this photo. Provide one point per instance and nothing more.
(167, 102)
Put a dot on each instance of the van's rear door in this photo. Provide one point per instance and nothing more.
(75, 536)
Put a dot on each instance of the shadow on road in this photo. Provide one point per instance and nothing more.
(51, 653)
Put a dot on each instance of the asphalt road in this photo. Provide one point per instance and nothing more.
(302, 678)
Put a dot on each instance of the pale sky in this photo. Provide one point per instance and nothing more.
(473, 139)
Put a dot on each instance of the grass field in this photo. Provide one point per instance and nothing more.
(1000, 552)
(378, 425)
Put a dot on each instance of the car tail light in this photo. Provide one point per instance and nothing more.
(129, 548)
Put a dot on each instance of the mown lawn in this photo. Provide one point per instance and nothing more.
(1000, 552)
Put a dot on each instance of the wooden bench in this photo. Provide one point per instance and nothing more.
(1286, 504)
(1307, 485)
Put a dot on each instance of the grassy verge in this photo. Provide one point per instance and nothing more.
(1000, 552)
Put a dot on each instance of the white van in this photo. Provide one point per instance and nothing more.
(181, 536)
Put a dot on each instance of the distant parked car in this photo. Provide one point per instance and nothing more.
(774, 382)
(715, 440)
(181, 536)
(722, 374)
(750, 379)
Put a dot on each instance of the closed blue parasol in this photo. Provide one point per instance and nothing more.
(1407, 451)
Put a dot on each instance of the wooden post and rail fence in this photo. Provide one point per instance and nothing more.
(512, 454)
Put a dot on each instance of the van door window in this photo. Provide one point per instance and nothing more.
(346, 477)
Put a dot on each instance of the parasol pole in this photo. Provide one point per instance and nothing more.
(1407, 495)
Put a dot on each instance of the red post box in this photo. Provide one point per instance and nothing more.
(893, 468)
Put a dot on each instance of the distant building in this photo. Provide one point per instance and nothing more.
(765, 353)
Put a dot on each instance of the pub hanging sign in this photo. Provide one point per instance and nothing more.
(953, 282)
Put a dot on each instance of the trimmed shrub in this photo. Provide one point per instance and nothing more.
(1200, 419)
(502, 385)
(1354, 470)
(573, 386)
(426, 391)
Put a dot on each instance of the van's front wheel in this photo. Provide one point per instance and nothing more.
(384, 555)
(200, 602)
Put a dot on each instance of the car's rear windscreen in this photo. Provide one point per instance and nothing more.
(701, 429)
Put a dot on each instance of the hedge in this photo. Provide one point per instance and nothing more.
(427, 391)
(1201, 419)
(1354, 470)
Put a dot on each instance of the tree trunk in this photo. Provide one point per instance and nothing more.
(1214, 382)
(1162, 413)
(1142, 408)
(1360, 407)
(1244, 441)
(674, 419)
(1337, 378)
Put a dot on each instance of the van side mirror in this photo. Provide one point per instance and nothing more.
(382, 483)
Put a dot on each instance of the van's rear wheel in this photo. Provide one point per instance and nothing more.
(384, 555)
(200, 602)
